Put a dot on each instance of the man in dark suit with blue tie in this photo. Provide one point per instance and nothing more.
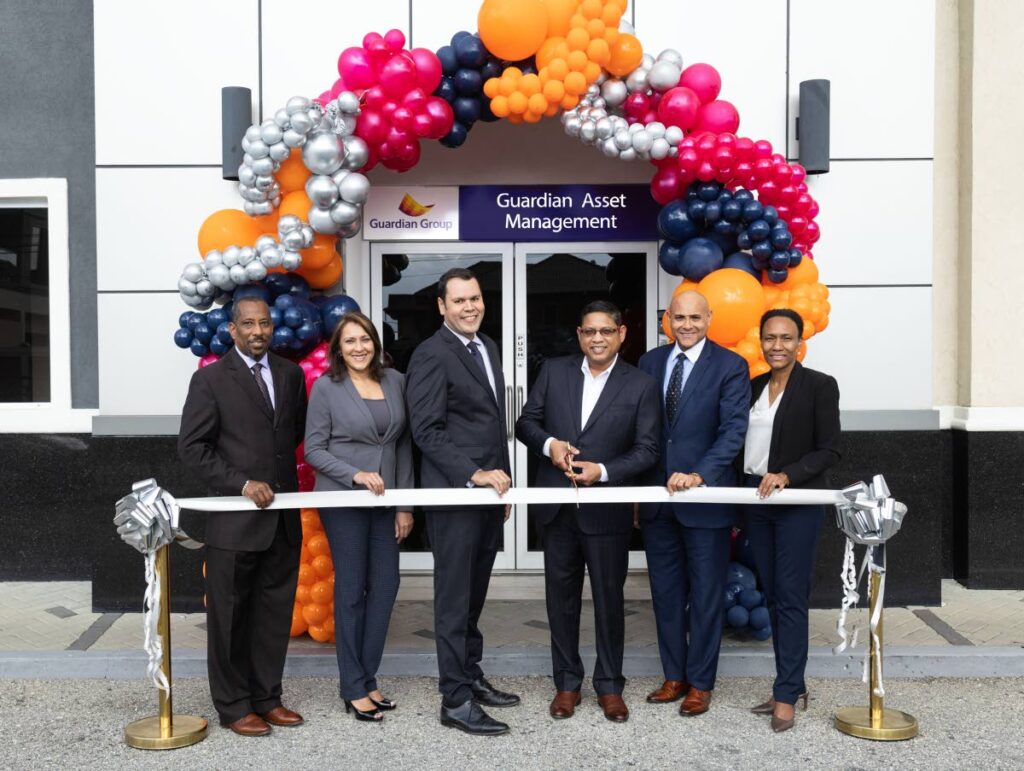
(454, 386)
(597, 421)
(706, 397)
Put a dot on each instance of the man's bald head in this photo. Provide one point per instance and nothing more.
(689, 316)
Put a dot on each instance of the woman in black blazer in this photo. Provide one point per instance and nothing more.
(792, 440)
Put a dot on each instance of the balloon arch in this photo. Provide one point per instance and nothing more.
(737, 219)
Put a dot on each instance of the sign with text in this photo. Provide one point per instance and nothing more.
(557, 213)
(411, 214)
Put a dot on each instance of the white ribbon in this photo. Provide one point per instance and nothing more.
(150, 618)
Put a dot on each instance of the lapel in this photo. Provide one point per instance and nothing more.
(394, 399)
(697, 373)
(789, 397)
(616, 380)
(665, 351)
(576, 396)
(246, 381)
(491, 349)
(277, 375)
(463, 355)
(366, 426)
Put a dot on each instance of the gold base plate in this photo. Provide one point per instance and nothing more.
(145, 734)
(896, 726)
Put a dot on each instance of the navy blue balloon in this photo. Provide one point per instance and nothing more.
(725, 241)
(700, 256)
(762, 634)
(781, 237)
(759, 618)
(691, 193)
(779, 260)
(283, 336)
(470, 51)
(740, 574)
(183, 337)
(284, 301)
(468, 82)
(275, 315)
(224, 334)
(724, 227)
(258, 291)
(752, 210)
(695, 209)
(759, 263)
(459, 35)
(777, 276)
(446, 89)
(732, 210)
(750, 598)
(708, 191)
(456, 136)
(332, 311)
(195, 320)
(743, 240)
(216, 317)
(467, 110)
(203, 333)
(742, 195)
(668, 258)
(199, 349)
(449, 61)
(278, 283)
(293, 317)
(299, 286)
(741, 261)
(759, 230)
(713, 211)
(307, 332)
(491, 69)
(738, 617)
(183, 319)
(732, 591)
(219, 347)
(761, 251)
(771, 214)
(795, 257)
(724, 195)
(674, 222)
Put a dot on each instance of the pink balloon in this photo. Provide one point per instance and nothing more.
(422, 124)
(689, 159)
(637, 104)
(402, 118)
(705, 172)
(388, 108)
(762, 148)
(374, 97)
(371, 127)
(394, 39)
(718, 117)
(441, 116)
(207, 360)
(703, 80)
(428, 69)
(679, 107)
(666, 184)
(355, 68)
(370, 38)
(745, 148)
(415, 99)
(398, 75)
(378, 52)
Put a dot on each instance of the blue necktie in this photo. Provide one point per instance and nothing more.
(474, 351)
(675, 389)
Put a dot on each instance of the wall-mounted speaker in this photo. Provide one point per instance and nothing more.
(812, 125)
(235, 118)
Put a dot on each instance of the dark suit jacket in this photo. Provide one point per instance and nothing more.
(228, 435)
(457, 421)
(342, 438)
(709, 429)
(623, 432)
(805, 433)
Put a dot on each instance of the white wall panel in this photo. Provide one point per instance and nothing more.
(745, 40)
(878, 346)
(876, 222)
(433, 27)
(880, 57)
(302, 42)
(147, 223)
(142, 371)
(159, 71)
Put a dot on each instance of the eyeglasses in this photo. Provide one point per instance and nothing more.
(589, 332)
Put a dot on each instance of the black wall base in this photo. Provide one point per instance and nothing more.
(58, 524)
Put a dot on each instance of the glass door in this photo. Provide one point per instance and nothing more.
(403, 305)
(553, 282)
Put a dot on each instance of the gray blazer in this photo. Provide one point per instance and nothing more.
(341, 438)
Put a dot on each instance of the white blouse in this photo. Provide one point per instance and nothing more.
(759, 434)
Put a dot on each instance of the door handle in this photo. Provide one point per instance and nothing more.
(520, 392)
(509, 413)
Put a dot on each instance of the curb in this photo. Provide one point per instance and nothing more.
(900, 661)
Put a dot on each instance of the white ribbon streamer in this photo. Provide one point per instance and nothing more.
(151, 617)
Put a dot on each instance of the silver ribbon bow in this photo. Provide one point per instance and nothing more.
(870, 515)
(147, 520)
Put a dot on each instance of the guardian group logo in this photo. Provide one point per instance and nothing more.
(412, 213)
(413, 208)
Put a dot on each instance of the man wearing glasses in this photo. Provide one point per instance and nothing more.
(597, 419)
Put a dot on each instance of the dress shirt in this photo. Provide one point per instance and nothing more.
(759, 434)
(264, 373)
(483, 354)
(593, 385)
(691, 358)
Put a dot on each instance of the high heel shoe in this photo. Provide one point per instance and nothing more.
(779, 725)
(383, 704)
(768, 707)
(370, 716)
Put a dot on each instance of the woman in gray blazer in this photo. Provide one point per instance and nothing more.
(357, 437)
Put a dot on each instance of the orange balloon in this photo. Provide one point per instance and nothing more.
(626, 54)
(298, 622)
(318, 545)
(760, 367)
(749, 350)
(322, 278)
(801, 352)
(559, 12)
(310, 517)
(545, 53)
(804, 273)
(322, 567)
(267, 223)
(319, 633)
(302, 594)
(512, 29)
(227, 227)
(314, 613)
(321, 593)
(293, 173)
(736, 300)
(296, 203)
(685, 286)
(307, 576)
(666, 327)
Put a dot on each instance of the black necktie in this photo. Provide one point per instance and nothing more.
(256, 371)
(474, 350)
(675, 389)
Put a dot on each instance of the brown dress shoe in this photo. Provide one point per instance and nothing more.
(564, 704)
(671, 690)
(250, 725)
(695, 703)
(614, 707)
(283, 716)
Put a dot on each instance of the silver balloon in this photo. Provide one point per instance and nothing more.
(219, 276)
(347, 231)
(625, 26)
(263, 184)
(323, 153)
(660, 148)
(344, 213)
(671, 55)
(192, 272)
(605, 128)
(647, 61)
(280, 152)
(340, 174)
(301, 123)
(259, 149)
(628, 155)
(588, 131)
(229, 256)
(345, 125)
(212, 258)
(252, 134)
(246, 176)
(664, 75)
(193, 301)
(642, 142)
(263, 167)
(270, 132)
(357, 153)
(348, 102)
(237, 273)
(293, 138)
(572, 126)
(623, 140)
(246, 255)
(673, 135)
(291, 260)
(186, 287)
(255, 271)
(321, 221)
(297, 104)
(637, 80)
(321, 191)
(288, 222)
(292, 240)
(656, 129)
(355, 188)
(265, 242)
(205, 288)
(271, 258)
(260, 208)
(281, 118)
(614, 92)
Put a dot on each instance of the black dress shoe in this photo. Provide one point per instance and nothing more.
(469, 717)
(487, 695)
